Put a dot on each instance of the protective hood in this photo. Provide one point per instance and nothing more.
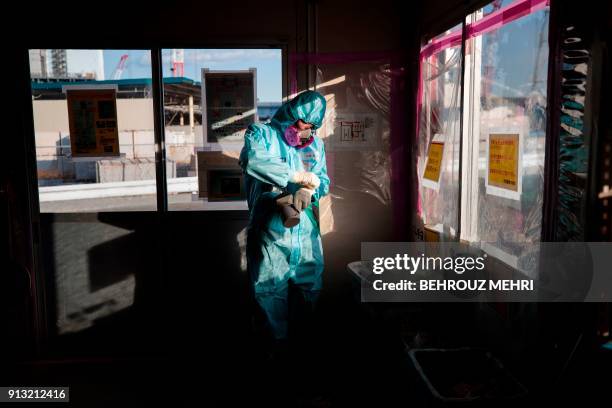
(308, 106)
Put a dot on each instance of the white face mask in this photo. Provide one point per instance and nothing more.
(305, 134)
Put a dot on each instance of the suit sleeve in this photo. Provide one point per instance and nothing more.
(257, 160)
(320, 169)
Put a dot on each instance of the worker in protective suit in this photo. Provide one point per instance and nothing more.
(284, 156)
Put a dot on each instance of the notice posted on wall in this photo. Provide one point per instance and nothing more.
(504, 164)
(433, 164)
(355, 131)
(92, 117)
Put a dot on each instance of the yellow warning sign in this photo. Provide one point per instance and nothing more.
(92, 116)
(504, 160)
(434, 162)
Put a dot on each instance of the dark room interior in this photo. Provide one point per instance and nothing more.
(125, 273)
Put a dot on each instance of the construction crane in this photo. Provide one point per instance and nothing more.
(178, 63)
(120, 66)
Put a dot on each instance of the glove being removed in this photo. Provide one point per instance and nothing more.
(302, 198)
(306, 179)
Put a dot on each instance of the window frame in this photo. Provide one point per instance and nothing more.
(157, 88)
(467, 213)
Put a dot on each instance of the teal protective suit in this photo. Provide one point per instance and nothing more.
(277, 255)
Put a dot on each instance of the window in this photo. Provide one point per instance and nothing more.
(439, 132)
(506, 73)
(93, 124)
(94, 127)
(503, 135)
(210, 97)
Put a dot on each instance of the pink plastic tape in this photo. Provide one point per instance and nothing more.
(493, 21)
(451, 40)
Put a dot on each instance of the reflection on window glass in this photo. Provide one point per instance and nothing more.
(439, 132)
(506, 72)
(210, 98)
(93, 123)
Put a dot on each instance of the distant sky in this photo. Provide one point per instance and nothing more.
(516, 57)
(267, 61)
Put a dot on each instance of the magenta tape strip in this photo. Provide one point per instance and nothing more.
(491, 22)
(451, 40)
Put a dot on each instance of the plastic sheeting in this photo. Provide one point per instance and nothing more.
(513, 64)
(439, 121)
(505, 80)
(357, 133)
(364, 145)
(373, 94)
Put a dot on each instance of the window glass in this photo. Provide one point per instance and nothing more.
(503, 134)
(210, 98)
(439, 132)
(505, 130)
(93, 124)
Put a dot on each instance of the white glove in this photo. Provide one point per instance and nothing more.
(306, 179)
(302, 198)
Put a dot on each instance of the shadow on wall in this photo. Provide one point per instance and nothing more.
(100, 270)
(134, 283)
